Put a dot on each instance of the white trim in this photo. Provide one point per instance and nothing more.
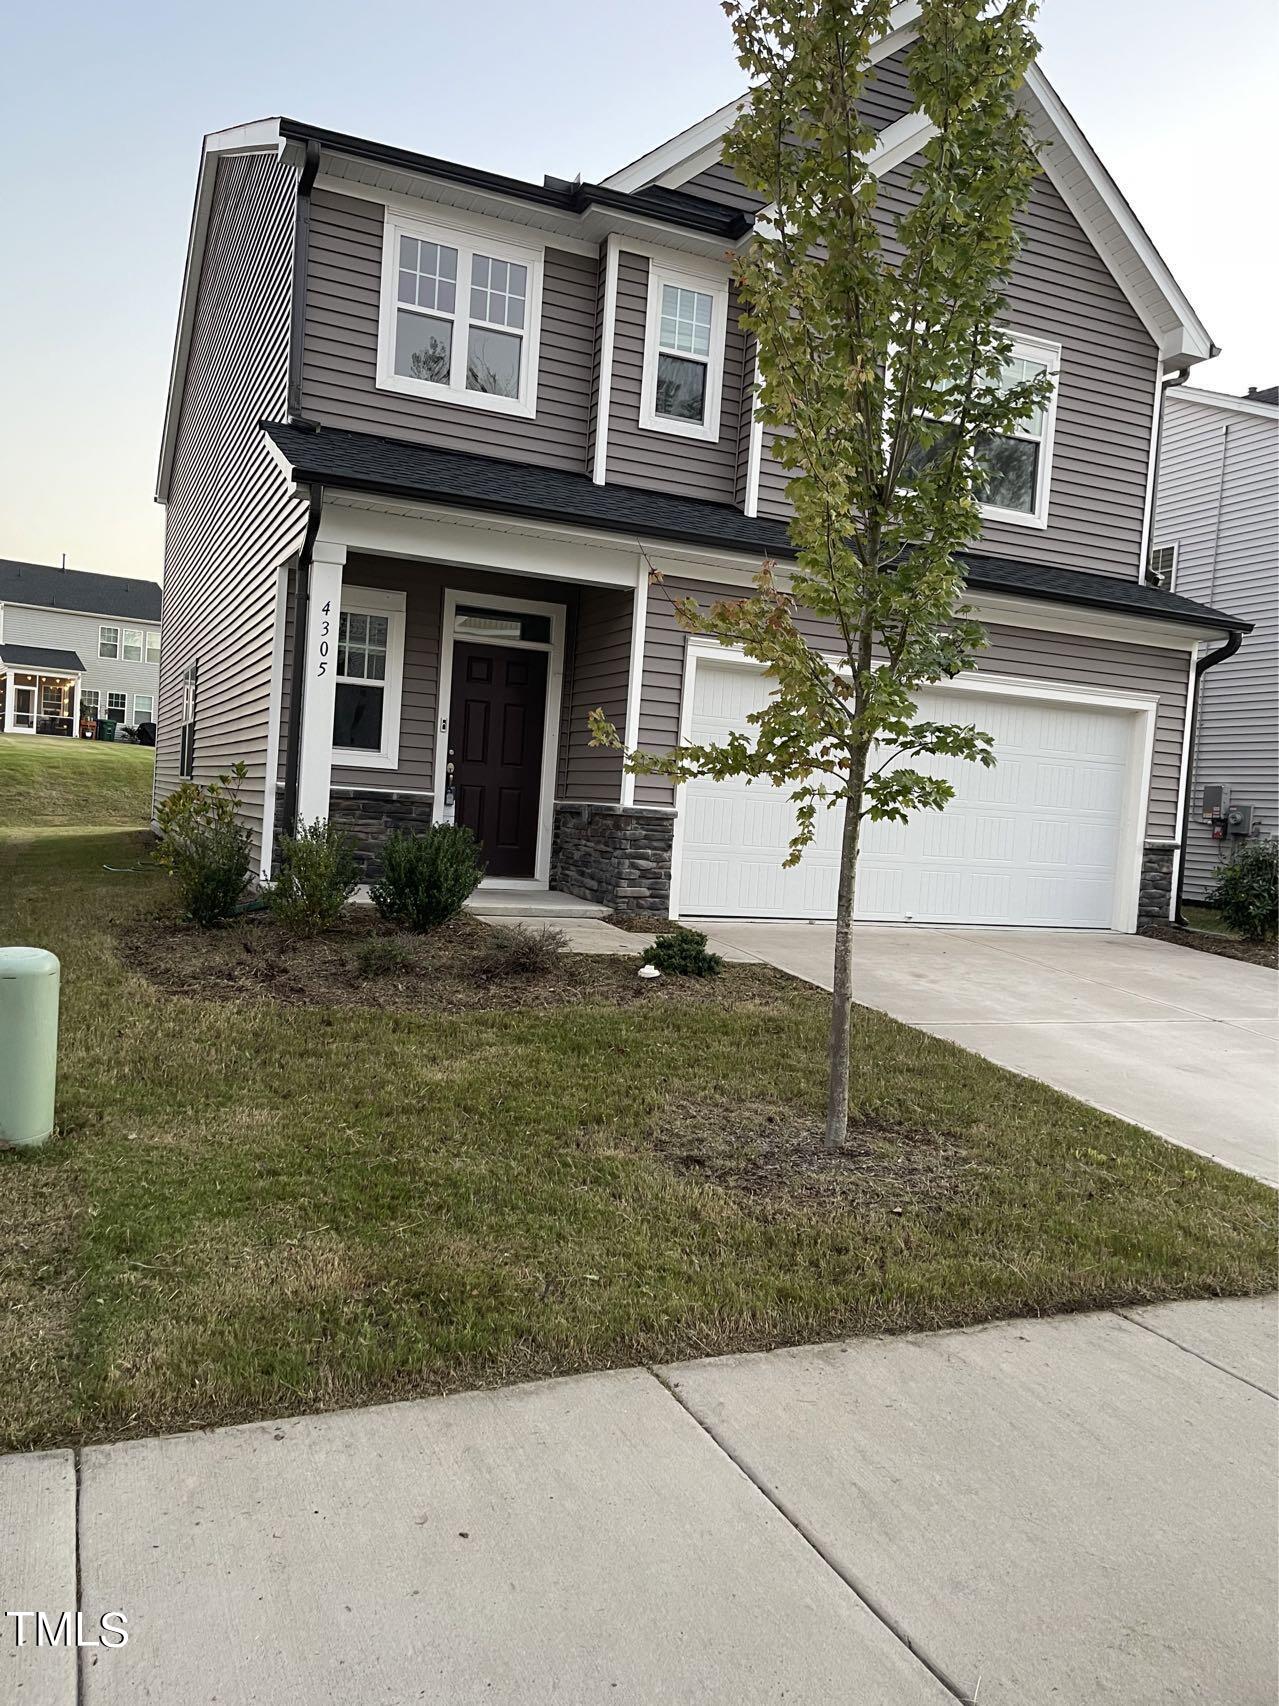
(315, 739)
(1042, 615)
(754, 447)
(1173, 545)
(679, 277)
(394, 187)
(275, 702)
(468, 243)
(1143, 708)
(1183, 785)
(150, 716)
(608, 332)
(1027, 348)
(101, 616)
(541, 878)
(361, 600)
(1152, 474)
(899, 142)
(117, 655)
(1223, 400)
(635, 676)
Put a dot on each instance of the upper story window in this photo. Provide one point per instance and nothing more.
(131, 649)
(683, 353)
(460, 317)
(1018, 465)
(108, 641)
(1161, 570)
(129, 644)
(153, 645)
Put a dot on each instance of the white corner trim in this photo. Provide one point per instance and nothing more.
(1152, 474)
(275, 709)
(541, 877)
(612, 253)
(899, 142)
(661, 273)
(635, 676)
(1183, 785)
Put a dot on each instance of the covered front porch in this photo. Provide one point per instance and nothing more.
(447, 674)
(39, 690)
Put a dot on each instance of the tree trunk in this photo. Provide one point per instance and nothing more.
(841, 1007)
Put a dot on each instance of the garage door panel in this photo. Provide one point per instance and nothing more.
(1034, 840)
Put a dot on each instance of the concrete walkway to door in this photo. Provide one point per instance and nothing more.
(1181, 1042)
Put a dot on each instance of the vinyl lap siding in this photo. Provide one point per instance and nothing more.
(1022, 652)
(230, 521)
(659, 461)
(339, 360)
(66, 630)
(1218, 502)
(599, 659)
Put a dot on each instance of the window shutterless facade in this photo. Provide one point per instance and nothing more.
(186, 735)
(108, 641)
(368, 679)
(117, 707)
(460, 317)
(1018, 465)
(131, 649)
(684, 334)
(153, 645)
(89, 701)
(143, 707)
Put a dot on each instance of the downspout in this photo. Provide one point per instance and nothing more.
(1204, 664)
(301, 252)
(297, 679)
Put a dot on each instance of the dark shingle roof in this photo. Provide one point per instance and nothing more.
(79, 589)
(39, 657)
(356, 461)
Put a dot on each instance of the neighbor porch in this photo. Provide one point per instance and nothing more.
(39, 690)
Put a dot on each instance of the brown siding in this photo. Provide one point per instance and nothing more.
(339, 364)
(229, 521)
(659, 461)
(1032, 653)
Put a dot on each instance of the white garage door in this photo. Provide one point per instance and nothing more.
(1036, 840)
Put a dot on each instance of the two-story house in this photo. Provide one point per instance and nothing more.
(76, 647)
(1216, 539)
(430, 428)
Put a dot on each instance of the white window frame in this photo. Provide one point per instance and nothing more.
(714, 285)
(376, 601)
(94, 693)
(468, 240)
(149, 717)
(139, 640)
(121, 716)
(1034, 349)
(105, 628)
(148, 648)
(1173, 545)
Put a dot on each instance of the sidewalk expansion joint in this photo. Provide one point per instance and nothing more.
(1198, 1355)
(855, 1587)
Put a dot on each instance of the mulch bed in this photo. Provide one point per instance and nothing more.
(449, 970)
(772, 1153)
(1229, 947)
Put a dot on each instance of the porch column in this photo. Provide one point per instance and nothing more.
(315, 758)
(75, 708)
(8, 701)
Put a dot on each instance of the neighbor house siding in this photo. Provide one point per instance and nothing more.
(1218, 503)
(1032, 653)
(230, 521)
(339, 361)
(658, 461)
(66, 630)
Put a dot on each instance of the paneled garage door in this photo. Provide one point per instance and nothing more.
(1036, 840)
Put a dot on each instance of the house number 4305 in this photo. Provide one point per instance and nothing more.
(325, 610)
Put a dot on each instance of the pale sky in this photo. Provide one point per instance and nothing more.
(105, 107)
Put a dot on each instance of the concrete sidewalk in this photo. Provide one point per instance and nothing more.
(1081, 1509)
(1181, 1042)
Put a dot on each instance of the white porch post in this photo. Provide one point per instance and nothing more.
(75, 709)
(9, 689)
(315, 758)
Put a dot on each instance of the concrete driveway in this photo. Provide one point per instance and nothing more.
(1180, 1042)
(1037, 1512)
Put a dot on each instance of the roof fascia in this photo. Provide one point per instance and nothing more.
(261, 137)
(1223, 400)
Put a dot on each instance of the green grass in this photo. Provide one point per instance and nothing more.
(46, 780)
(253, 1210)
(1209, 919)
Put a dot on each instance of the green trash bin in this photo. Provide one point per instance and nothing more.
(106, 729)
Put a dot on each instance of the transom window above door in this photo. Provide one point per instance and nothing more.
(683, 354)
(460, 318)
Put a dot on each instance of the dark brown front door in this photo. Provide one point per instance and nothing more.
(496, 721)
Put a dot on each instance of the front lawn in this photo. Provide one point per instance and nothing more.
(48, 780)
(260, 1206)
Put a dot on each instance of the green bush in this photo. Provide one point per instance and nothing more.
(427, 877)
(317, 876)
(206, 848)
(1247, 890)
(382, 957)
(516, 951)
(683, 954)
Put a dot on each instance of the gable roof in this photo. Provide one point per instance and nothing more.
(78, 590)
(418, 473)
(41, 657)
(1069, 161)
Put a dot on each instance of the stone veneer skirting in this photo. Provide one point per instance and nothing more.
(617, 856)
(1154, 897)
(369, 816)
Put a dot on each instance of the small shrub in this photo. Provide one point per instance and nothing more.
(318, 875)
(206, 848)
(1247, 890)
(382, 957)
(516, 951)
(427, 877)
(682, 953)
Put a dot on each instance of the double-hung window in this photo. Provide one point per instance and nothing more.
(1161, 569)
(117, 707)
(683, 353)
(89, 702)
(131, 651)
(143, 707)
(1017, 466)
(370, 665)
(460, 317)
(153, 645)
(108, 641)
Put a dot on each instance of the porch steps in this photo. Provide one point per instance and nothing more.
(532, 903)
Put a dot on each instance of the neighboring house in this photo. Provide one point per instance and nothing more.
(75, 646)
(1216, 539)
(430, 427)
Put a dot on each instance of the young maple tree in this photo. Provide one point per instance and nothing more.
(886, 378)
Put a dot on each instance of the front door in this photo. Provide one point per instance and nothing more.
(24, 707)
(496, 723)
